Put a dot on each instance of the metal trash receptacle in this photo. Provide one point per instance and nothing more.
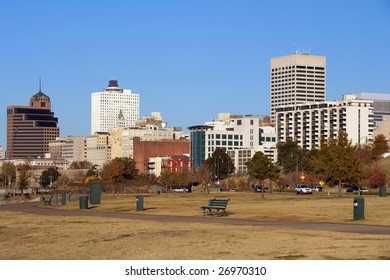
(140, 202)
(382, 191)
(95, 193)
(83, 202)
(63, 198)
(358, 208)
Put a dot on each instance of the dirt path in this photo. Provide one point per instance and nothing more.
(32, 208)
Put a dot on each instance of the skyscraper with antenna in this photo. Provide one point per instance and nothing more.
(31, 128)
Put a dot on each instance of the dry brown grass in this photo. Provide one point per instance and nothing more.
(247, 205)
(27, 236)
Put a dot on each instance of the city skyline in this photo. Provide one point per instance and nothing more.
(187, 60)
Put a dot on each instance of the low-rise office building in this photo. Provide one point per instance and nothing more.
(240, 137)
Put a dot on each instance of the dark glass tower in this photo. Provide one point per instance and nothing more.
(31, 128)
(198, 145)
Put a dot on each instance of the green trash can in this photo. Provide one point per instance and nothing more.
(55, 199)
(140, 202)
(83, 202)
(358, 208)
(63, 198)
(382, 191)
(95, 192)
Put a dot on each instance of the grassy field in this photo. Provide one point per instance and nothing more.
(27, 236)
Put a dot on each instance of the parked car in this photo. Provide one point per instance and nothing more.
(356, 189)
(178, 189)
(303, 189)
(317, 189)
(259, 188)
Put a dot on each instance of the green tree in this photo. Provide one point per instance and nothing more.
(337, 162)
(24, 174)
(260, 167)
(380, 146)
(167, 178)
(220, 164)
(291, 157)
(180, 178)
(91, 172)
(8, 170)
(49, 177)
(129, 168)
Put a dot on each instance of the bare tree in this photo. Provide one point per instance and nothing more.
(24, 174)
(9, 172)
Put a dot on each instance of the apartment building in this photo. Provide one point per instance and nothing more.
(296, 79)
(313, 122)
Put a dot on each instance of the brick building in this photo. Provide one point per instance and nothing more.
(143, 150)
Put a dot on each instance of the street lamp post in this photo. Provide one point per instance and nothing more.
(296, 168)
(218, 166)
(296, 171)
(228, 173)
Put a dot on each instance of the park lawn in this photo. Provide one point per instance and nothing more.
(251, 206)
(37, 237)
(28, 236)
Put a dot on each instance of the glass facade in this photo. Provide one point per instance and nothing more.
(198, 142)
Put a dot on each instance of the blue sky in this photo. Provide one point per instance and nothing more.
(189, 59)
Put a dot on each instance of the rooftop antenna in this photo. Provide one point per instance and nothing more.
(295, 48)
(40, 84)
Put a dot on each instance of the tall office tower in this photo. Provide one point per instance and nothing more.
(296, 79)
(31, 128)
(113, 108)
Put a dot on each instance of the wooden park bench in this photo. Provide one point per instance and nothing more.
(216, 205)
(48, 201)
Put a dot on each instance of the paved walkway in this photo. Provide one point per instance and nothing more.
(32, 208)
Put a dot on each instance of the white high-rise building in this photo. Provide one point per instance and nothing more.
(311, 123)
(296, 79)
(113, 108)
